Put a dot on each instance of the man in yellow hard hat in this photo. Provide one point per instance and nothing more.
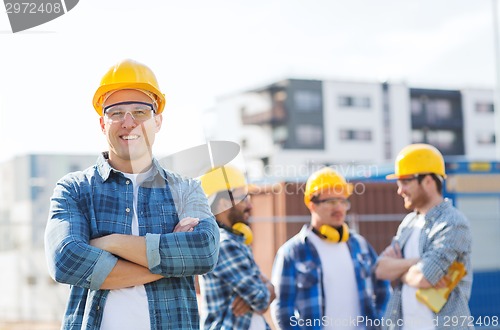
(428, 241)
(126, 234)
(235, 294)
(323, 275)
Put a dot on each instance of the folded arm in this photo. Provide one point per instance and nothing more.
(237, 269)
(451, 241)
(133, 248)
(391, 265)
(186, 253)
(415, 278)
(241, 307)
(127, 274)
(70, 258)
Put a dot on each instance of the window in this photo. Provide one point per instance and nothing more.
(484, 107)
(354, 101)
(309, 135)
(439, 109)
(416, 107)
(485, 138)
(447, 141)
(355, 135)
(280, 134)
(417, 136)
(442, 139)
(307, 101)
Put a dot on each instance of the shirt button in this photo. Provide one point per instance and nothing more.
(127, 182)
(127, 209)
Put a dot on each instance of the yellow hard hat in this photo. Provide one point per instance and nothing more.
(222, 179)
(418, 158)
(324, 179)
(128, 74)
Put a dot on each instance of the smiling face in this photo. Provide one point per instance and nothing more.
(413, 193)
(130, 141)
(332, 214)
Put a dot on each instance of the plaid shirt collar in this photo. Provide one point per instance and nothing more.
(104, 169)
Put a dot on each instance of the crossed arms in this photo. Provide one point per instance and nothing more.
(392, 266)
(430, 270)
(118, 261)
(132, 269)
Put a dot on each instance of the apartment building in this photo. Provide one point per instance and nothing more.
(26, 290)
(291, 126)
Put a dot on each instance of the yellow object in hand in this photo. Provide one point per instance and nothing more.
(436, 298)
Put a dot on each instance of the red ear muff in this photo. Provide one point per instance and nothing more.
(335, 235)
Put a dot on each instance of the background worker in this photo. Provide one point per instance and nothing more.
(115, 233)
(324, 275)
(428, 241)
(235, 294)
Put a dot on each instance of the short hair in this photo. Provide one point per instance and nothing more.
(437, 178)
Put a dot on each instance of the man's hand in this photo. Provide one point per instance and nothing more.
(391, 265)
(392, 251)
(133, 248)
(240, 307)
(134, 269)
(270, 287)
(186, 225)
(443, 282)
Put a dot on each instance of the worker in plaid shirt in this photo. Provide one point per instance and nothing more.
(235, 294)
(429, 239)
(324, 276)
(127, 235)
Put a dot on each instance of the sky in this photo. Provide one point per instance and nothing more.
(202, 50)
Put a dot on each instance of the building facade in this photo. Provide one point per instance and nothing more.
(27, 182)
(289, 127)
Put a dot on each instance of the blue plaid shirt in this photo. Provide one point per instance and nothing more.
(98, 202)
(236, 274)
(300, 296)
(445, 237)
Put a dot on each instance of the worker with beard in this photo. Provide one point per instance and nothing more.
(434, 238)
(235, 294)
(324, 275)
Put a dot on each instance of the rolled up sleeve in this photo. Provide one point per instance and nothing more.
(69, 256)
(186, 253)
(237, 269)
(448, 243)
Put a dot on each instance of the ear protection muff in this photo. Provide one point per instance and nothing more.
(244, 230)
(241, 229)
(332, 234)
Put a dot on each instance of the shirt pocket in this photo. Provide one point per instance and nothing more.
(307, 285)
(307, 275)
(161, 218)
